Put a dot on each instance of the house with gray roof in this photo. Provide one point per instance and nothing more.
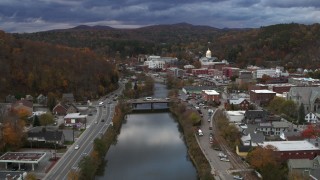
(46, 136)
(305, 167)
(273, 128)
(309, 96)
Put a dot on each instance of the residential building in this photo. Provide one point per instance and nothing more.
(60, 109)
(312, 118)
(255, 116)
(273, 128)
(305, 167)
(29, 98)
(46, 136)
(75, 119)
(41, 99)
(23, 104)
(241, 103)
(261, 97)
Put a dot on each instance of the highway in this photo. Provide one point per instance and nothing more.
(72, 157)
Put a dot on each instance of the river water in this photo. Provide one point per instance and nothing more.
(149, 147)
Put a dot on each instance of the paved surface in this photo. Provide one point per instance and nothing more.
(221, 169)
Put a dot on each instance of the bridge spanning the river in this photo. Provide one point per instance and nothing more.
(150, 103)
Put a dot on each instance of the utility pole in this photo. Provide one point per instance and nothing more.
(73, 126)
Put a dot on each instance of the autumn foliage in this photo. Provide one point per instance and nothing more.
(12, 132)
(28, 67)
(312, 131)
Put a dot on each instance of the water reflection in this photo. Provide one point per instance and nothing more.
(149, 147)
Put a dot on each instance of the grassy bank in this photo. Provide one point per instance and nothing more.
(184, 117)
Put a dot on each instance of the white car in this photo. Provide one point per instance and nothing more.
(224, 159)
(76, 147)
(221, 155)
(200, 133)
(237, 177)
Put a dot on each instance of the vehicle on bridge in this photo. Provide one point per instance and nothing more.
(148, 98)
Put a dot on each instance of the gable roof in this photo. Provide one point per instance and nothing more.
(62, 105)
(236, 101)
(300, 163)
(24, 103)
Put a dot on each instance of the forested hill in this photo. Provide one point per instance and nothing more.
(292, 45)
(28, 67)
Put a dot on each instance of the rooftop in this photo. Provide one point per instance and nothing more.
(291, 145)
(211, 92)
(263, 91)
(75, 115)
(29, 157)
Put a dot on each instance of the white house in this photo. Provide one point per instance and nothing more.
(273, 128)
(311, 118)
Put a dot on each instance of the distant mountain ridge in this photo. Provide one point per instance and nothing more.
(290, 45)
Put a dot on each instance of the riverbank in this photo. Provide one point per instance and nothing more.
(94, 163)
(185, 121)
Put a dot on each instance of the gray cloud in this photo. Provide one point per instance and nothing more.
(40, 15)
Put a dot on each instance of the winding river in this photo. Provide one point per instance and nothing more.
(149, 147)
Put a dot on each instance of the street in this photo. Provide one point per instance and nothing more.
(94, 130)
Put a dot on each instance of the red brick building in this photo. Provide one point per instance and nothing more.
(60, 109)
(293, 149)
(197, 72)
(210, 95)
(228, 72)
(261, 97)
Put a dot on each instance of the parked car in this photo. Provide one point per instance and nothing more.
(222, 155)
(14, 168)
(76, 147)
(238, 177)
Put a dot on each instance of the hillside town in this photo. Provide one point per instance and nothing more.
(271, 109)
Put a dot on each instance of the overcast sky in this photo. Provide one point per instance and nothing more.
(41, 15)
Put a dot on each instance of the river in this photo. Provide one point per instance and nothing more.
(149, 147)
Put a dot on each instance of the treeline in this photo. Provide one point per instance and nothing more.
(28, 67)
(290, 45)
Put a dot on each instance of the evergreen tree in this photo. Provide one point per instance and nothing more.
(36, 121)
(51, 101)
(302, 114)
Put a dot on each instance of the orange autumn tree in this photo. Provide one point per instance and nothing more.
(259, 157)
(12, 131)
(267, 162)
